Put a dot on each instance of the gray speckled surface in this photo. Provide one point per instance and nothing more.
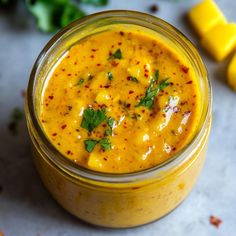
(25, 206)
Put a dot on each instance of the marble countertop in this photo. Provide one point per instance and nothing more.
(27, 209)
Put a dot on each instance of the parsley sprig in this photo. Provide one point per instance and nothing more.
(116, 55)
(151, 92)
(93, 118)
(91, 143)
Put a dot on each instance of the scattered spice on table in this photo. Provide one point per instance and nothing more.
(215, 221)
(153, 8)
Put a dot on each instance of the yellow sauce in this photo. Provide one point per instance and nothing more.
(110, 72)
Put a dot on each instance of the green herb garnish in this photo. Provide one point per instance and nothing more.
(105, 144)
(95, 2)
(110, 122)
(116, 55)
(110, 75)
(93, 118)
(81, 81)
(134, 79)
(54, 14)
(148, 99)
(91, 143)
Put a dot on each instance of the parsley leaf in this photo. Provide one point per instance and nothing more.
(116, 55)
(81, 81)
(90, 144)
(134, 79)
(105, 144)
(110, 75)
(54, 14)
(110, 122)
(151, 92)
(95, 2)
(93, 118)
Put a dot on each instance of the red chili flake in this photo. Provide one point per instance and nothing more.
(150, 51)
(54, 134)
(129, 78)
(153, 8)
(105, 159)
(63, 126)
(63, 69)
(174, 149)
(69, 74)
(46, 104)
(122, 33)
(75, 63)
(50, 97)
(164, 115)
(100, 86)
(143, 111)
(185, 69)
(69, 108)
(94, 50)
(146, 75)
(92, 56)
(69, 152)
(183, 103)
(119, 43)
(138, 62)
(113, 63)
(110, 53)
(128, 105)
(131, 91)
(215, 221)
(189, 82)
(107, 86)
(98, 64)
(86, 86)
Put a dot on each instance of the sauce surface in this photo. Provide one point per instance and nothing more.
(120, 101)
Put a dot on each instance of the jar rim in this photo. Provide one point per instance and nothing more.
(73, 169)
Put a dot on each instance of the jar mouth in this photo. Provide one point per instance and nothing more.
(72, 169)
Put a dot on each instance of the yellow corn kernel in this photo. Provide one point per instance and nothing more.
(231, 73)
(220, 40)
(103, 97)
(205, 16)
(94, 161)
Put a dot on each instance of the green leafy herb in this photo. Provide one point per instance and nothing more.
(81, 81)
(110, 122)
(95, 2)
(110, 76)
(105, 144)
(134, 79)
(90, 144)
(148, 99)
(116, 55)
(93, 118)
(16, 117)
(54, 14)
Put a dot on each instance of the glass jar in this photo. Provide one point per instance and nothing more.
(117, 200)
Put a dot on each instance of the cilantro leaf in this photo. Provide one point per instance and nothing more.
(116, 55)
(110, 75)
(54, 14)
(105, 144)
(95, 2)
(81, 81)
(134, 79)
(110, 122)
(93, 118)
(90, 144)
(151, 92)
